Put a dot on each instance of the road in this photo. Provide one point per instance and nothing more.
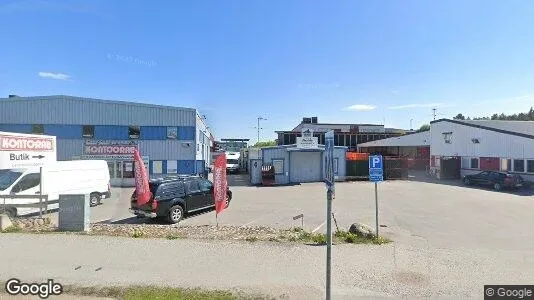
(442, 215)
(296, 271)
(449, 240)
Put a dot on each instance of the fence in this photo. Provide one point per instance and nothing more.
(42, 204)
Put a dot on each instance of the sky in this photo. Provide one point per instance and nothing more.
(380, 62)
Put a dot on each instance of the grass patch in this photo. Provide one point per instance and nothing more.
(12, 229)
(155, 293)
(251, 239)
(273, 239)
(138, 233)
(338, 237)
(173, 237)
(352, 238)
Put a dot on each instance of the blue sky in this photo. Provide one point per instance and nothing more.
(342, 61)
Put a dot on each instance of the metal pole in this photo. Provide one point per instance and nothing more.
(41, 192)
(376, 204)
(258, 129)
(328, 242)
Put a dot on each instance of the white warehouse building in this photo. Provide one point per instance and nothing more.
(462, 147)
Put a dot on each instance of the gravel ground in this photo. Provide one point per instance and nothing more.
(293, 270)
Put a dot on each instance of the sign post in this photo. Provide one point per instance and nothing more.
(330, 185)
(25, 151)
(376, 174)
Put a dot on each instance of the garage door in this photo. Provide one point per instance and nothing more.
(305, 167)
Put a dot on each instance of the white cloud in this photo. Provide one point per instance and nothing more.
(420, 105)
(361, 107)
(57, 76)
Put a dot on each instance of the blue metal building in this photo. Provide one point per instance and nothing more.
(172, 140)
(298, 165)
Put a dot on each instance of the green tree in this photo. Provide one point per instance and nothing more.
(459, 117)
(264, 144)
(425, 127)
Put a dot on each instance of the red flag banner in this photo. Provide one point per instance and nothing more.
(219, 183)
(142, 188)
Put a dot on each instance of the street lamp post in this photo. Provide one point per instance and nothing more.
(263, 119)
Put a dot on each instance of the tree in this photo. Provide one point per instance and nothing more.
(459, 117)
(425, 127)
(528, 116)
(264, 144)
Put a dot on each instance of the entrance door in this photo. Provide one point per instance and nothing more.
(305, 166)
(450, 168)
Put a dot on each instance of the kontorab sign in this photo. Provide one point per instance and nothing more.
(109, 149)
(26, 150)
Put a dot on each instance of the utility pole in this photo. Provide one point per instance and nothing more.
(434, 113)
(263, 119)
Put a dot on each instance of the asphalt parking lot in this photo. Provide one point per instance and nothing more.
(441, 214)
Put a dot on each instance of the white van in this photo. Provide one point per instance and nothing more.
(62, 177)
(232, 162)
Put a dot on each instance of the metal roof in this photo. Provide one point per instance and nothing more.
(74, 98)
(413, 139)
(518, 128)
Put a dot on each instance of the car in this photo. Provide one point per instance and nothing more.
(174, 197)
(497, 180)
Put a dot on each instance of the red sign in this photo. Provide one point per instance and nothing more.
(110, 149)
(23, 143)
(219, 183)
(142, 187)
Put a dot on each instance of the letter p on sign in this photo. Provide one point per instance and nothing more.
(375, 162)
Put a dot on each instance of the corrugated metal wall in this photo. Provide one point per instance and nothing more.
(280, 153)
(268, 154)
(305, 166)
(171, 150)
(492, 144)
(66, 149)
(76, 110)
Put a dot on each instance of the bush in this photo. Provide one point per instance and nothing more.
(138, 233)
(251, 239)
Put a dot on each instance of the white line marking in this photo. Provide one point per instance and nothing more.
(318, 227)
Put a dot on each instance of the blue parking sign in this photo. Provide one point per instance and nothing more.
(376, 165)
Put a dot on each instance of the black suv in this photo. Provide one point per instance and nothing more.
(173, 197)
(497, 180)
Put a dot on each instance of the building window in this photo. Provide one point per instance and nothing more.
(466, 163)
(157, 167)
(519, 165)
(474, 163)
(353, 140)
(134, 132)
(37, 129)
(172, 166)
(278, 165)
(172, 133)
(128, 169)
(506, 164)
(88, 131)
(530, 166)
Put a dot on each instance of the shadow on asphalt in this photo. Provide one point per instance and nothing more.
(421, 177)
(242, 179)
(155, 221)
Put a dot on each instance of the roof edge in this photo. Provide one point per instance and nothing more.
(524, 135)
